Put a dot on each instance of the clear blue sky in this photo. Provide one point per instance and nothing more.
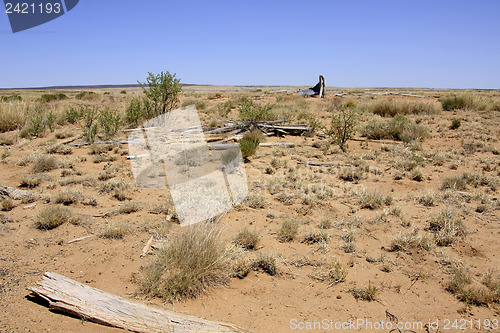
(436, 44)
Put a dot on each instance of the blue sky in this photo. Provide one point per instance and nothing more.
(435, 44)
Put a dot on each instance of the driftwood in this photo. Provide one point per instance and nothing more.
(79, 239)
(285, 129)
(78, 144)
(13, 193)
(146, 248)
(320, 164)
(92, 304)
(278, 144)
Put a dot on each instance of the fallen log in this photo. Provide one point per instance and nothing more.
(288, 129)
(79, 239)
(94, 305)
(145, 250)
(321, 164)
(13, 193)
(279, 144)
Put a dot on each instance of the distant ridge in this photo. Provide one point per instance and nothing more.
(97, 86)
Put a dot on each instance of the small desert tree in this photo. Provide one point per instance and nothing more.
(342, 128)
(161, 92)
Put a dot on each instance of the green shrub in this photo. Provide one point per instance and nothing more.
(37, 126)
(123, 92)
(72, 115)
(86, 95)
(161, 92)
(134, 112)
(45, 98)
(456, 102)
(455, 123)
(399, 128)
(249, 111)
(110, 121)
(342, 128)
(248, 146)
(225, 108)
(11, 98)
(90, 117)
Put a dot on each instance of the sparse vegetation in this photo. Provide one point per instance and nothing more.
(266, 263)
(248, 146)
(53, 216)
(316, 236)
(342, 127)
(398, 106)
(373, 199)
(115, 231)
(461, 285)
(188, 265)
(399, 128)
(446, 227)
(251, 112)
(288, 231)
(411, 240)
(161, 91)
(44, 163)
(247, 239)
(455, 123)
(367, 293)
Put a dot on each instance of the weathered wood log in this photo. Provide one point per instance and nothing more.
(92, 304)
(78, 144)
(12, 192)
(79, 239)
(321, 164)
(279, 144)
(146, 248)
(288, 129)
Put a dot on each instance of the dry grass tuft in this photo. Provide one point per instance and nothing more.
(53, 216)
(288, 231)
(188, 265)
(398, 106)
(115, 231)
(44, 163)
(316, 236)
(266, 263)
(373, 199)
(247, 239)
(411, 240)
(446, 227)
(368, 293)
(67, 197)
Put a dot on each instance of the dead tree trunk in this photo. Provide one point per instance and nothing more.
(92, 304)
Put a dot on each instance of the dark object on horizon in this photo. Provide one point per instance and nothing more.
(317, 90)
